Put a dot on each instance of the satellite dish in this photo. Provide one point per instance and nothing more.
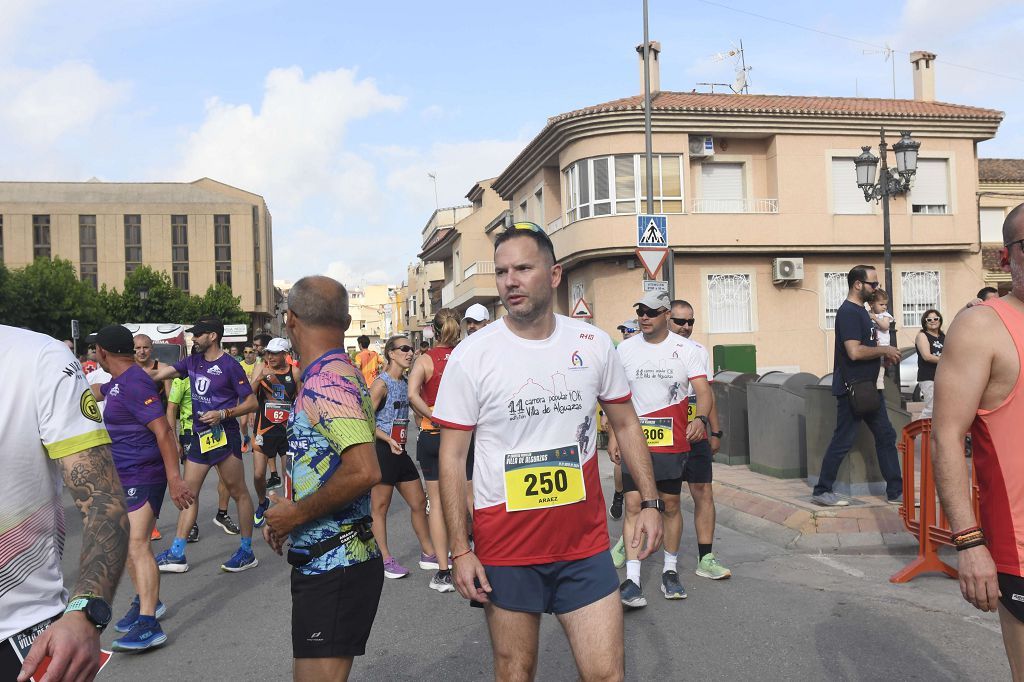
(741, 81)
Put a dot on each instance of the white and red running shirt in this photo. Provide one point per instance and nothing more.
(659, 377)
(536, 485)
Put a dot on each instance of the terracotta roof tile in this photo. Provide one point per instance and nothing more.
(1001, 170)
(789, 105)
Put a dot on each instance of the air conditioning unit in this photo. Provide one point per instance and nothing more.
(701, 146)
(787, 269)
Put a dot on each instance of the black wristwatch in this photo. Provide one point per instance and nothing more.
(716, 434)
(704, 419)
(95, 608)
(653, 504)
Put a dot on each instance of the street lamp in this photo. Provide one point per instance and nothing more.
(891, 182)
(143, 297)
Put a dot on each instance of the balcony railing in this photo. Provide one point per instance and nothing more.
(481, 267)
(735, 206)
(447, 294)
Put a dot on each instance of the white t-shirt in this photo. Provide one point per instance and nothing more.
(659, 377)
(883, 335)
(533, 405)
(50, 415)
(99, 376)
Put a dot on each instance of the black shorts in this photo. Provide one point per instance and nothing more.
(1012, 589)
(668, 473)
(428, 447)
(667, 486)
(395, 469)
(697, 468)
(273, 443)
(332, 613)
(559, 587)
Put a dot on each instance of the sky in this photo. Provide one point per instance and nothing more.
(335, 112)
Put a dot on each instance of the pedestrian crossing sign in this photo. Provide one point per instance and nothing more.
(651, 230)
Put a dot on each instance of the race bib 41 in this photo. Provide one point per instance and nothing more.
(209, 440)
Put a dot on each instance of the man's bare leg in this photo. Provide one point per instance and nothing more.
(1013, 640)
(195, 474)
(141, 564)
(321, 669)
(232, 474)
(259, 473)
(673, 522)
(514, 636)
(703, 512)
(595, 635)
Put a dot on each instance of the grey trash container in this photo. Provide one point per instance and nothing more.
(731, 400)
(776, 423)
(858, 474)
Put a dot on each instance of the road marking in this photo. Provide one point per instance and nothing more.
(839, 566)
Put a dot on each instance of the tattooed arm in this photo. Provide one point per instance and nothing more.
(73, 643)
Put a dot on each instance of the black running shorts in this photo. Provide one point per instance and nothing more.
(332, 613)
(697, 468)
(274, 443)
(1012, 598)
(395, 469)
(428, 447)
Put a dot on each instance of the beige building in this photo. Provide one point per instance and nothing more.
(1000, 188)
(422, 296)
(374, 310)
(200, 233)
(764, 214)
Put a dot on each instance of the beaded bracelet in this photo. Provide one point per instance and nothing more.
(972, 543)
(966, 535)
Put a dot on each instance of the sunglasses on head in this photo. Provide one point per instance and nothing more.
(644, 311)
(683, 321)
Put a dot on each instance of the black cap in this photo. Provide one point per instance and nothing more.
(206, 325)
(113, 338)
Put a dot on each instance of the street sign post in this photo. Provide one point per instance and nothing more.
(581, 310)
(75, 333)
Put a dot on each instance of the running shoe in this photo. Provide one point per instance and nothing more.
(616, 509)
(619, 553)
(442, 582)
(898, 500)
(829, 499)
(241, 560)
(126, 623)
(274, 481)
(193, 534)
(671, 587)
(257, 518)
(631, 595)
(226, 522)
(394, 570)
(145, 634)
(428, 562)
(710, 568)
(168, 563)
(155, 535)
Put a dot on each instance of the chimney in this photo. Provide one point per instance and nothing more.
(924, 75)
(655, 71)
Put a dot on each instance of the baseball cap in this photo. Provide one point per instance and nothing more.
(113, 338)
(629, 325)
(278, 345)
(477, 313)
(654, 300)
(206, 325)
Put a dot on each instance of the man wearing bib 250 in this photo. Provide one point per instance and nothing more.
(529, 384)
(660, 367)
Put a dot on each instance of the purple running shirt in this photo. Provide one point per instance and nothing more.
(216, 385)
(130, 403)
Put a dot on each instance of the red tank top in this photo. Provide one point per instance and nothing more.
(999, 462)
(439, 356)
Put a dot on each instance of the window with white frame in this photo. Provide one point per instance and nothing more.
(834, 292)
(920, 292)
(610, 185)
(930, 192)
(729, 304)
(992, 225)
(847, 197)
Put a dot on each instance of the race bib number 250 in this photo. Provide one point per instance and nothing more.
(548, 478)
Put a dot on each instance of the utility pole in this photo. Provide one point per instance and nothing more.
(669, 267)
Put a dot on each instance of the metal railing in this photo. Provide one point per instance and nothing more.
(734, 205)
(480, 267)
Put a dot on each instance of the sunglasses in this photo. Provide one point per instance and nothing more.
(403, 349)
(643, 311)
(873, 285)
(683, 321)
(933, 319)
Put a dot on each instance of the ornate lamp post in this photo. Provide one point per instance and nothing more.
(891, 182)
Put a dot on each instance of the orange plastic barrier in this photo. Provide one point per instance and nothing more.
(922, 515)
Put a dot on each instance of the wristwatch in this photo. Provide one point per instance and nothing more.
(716, 434)
(95, 608)
(704, 419)
(653, 504)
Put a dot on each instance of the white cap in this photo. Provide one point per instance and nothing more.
(654, 300)
(477, 313)
(631, 325)
(278, 345)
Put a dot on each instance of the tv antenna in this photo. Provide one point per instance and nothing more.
(433, 176)
(889, 55)
(741, 84)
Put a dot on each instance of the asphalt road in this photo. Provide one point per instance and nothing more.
(783, 615)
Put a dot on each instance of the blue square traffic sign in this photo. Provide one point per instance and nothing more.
(652, 231)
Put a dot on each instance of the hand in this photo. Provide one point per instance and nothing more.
(73, 645)
(695, 431)
(614, 453)
(466, 572)
(396, 449)
(892, 354)
(978, 583)
(283, 515)
(181, 495)
(647, 524)
(715, 443)
(211, 418)
(275, 541)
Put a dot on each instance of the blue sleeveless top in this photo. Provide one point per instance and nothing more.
(396, 404)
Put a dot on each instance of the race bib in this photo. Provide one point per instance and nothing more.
(658, 431)
(548, 478)
(277, 413)
(400, 431)
(691, 412)
(208, 440)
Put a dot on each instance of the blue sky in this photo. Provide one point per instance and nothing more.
(336, 111)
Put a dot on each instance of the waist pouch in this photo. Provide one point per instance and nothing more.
(864, 397)
(362, 529)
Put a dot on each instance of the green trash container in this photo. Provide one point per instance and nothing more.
(737, 357)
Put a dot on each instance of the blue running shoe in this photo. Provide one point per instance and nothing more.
(168, 563)
(126, 623)
(631, 595)
(145, 634)
(240, 561)
(257, 518)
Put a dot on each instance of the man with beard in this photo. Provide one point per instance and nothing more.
(857, 359)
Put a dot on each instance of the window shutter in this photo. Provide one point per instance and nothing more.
(722, 181)
(992, 225)
(931, 183)
(847, 197)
